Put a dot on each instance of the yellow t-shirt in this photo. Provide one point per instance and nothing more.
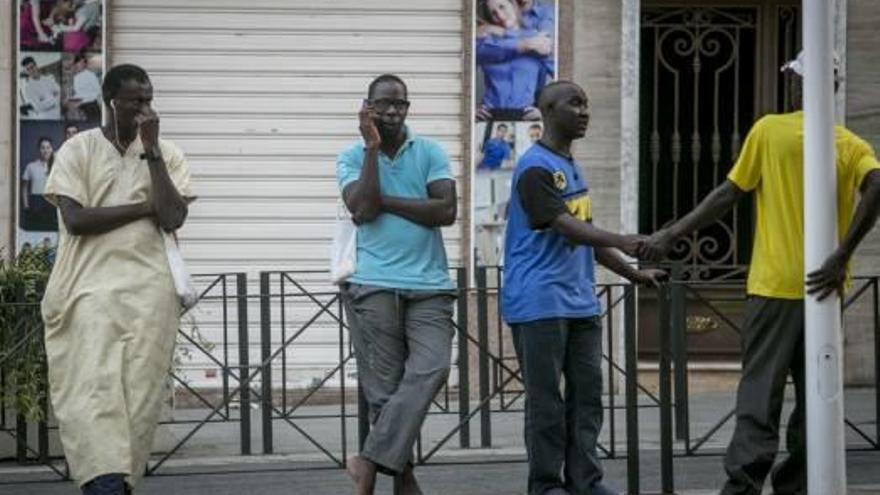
(771, 164)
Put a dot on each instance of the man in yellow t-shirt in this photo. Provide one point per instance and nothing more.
(771, 164)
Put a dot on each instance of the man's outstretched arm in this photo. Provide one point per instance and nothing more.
(613, 260)
(716, 204)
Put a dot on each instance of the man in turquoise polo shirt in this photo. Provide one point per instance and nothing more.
(549, 299)
(400, 191)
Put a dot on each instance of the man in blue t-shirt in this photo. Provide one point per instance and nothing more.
(400, 191)
(549, 299)
(496, 150)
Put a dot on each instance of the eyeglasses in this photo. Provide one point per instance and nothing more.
(383, 104)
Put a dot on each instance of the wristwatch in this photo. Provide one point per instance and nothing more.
(151, 156)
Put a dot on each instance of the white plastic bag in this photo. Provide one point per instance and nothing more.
(343, 253)
(183, 284)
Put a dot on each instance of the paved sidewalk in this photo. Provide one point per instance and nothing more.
(271, 475)
(208, 462)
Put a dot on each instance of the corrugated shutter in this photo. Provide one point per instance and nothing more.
(262, 95)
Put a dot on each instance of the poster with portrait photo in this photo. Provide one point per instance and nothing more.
(71, 26)
(39, 88)
(515, 56)
(35, 18)
(39, 143)
(60, 60)
(500, 146)
(81, 86)
(515, 46)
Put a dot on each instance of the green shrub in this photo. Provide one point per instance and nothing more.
(22, 354)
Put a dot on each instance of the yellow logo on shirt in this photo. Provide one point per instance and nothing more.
(559, 180)
(581, 208)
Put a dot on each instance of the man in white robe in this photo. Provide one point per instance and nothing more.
(111, 311)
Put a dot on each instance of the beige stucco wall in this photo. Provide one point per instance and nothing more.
(596, 66)
(863, 118)
(7, 54)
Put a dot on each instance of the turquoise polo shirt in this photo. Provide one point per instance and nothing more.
(392, 251)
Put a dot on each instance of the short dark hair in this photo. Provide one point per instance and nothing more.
(544, 94)
(386, 78)
(28, 60)
(79, 57)
(46, 139)
(535, 126)
(118, 75)
(499, 126)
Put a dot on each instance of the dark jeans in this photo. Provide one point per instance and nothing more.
(561, 433)
(772, 347)
(107, 484)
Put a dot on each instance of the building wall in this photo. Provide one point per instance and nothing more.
(262, 96)
(7, 124)
(863, 118)
(596, 66)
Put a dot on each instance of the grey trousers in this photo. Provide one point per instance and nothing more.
(561, 433)
(403, 344)
(772, 347)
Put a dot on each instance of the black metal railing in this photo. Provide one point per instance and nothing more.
(293, 312)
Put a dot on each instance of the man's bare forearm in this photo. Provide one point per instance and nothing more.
(362, 197)
(585, 233)
(613, 260)
(169, 206)
(716, 204)
(865, 215)
(430, 212)
(81, 221)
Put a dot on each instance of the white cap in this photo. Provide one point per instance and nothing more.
(797, 65)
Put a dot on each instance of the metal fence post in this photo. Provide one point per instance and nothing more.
(464, 400)
(343, 419)
(265, 354)
(483, 339)
(678, 323)
(363, 417)
(876, 302)
(631, 387)
(664, 376)
(21, 430)
(241, 294)
(43, 425)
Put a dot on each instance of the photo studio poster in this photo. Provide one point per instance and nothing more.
(515, 55)
(60, 61)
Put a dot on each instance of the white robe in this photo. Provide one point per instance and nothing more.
(111, 312)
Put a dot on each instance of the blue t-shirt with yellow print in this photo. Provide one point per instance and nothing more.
(545, 275)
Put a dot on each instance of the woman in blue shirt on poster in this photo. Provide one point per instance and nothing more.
(516, 62)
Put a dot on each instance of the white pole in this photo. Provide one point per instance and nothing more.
(826, 464)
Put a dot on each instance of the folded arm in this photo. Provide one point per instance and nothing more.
(81, 221)
(439, 210)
